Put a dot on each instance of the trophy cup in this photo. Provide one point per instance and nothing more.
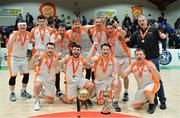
(82, 96)
(106, 96)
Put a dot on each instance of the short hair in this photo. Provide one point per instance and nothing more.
(50, 43)
(40, 17)
(76, 45)
(139, 49)
(75, 20)
(105, 44)
(109, 23)
(140, 16)
(62, 25)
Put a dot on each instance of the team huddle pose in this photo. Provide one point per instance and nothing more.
(93, 57)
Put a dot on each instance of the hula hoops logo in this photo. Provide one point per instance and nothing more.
(165, 58)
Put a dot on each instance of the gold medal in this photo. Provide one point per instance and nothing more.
(142, 41)
(74, 76)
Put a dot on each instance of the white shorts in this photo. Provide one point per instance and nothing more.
(48, 85)
(117, 68)
(18, 64)
(71, 89)
(140, 96)
(101, 86)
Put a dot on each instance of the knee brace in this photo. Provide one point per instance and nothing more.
(25, 78)
(12, 81)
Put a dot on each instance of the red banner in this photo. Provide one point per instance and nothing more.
(47, 9)
(136, 11)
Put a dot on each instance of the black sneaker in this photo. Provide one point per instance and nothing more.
(89, 103)
(24, 93)
(125, 97)
(151, 108)
(155, 101)
(12, 97)
(59, 93)
(116, 106)
(163, 106)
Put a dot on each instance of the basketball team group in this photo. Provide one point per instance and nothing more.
(93, 57)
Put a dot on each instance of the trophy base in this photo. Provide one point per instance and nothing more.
(105, 112)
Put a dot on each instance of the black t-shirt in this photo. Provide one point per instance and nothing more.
(151, 42)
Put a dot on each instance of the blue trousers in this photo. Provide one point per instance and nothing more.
(160, 92)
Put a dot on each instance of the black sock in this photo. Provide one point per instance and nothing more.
(57, 83)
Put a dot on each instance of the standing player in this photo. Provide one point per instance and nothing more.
(40, 35)
(147, 77)
(116, 38)
(60, 40)
(17, 60)
(98, 34)
(80, 35)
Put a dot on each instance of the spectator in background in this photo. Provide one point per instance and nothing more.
(116, 19)
(50, 20)
(84, 21)
(63, 19)
(56, 21)
(29, 21)
(126, 22)
(177, 24)
(68, 22)
(91, 21)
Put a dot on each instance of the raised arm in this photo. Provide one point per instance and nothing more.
(124, 73)
(92, 51)
(63, 60)
(32, 61)
(55, 39)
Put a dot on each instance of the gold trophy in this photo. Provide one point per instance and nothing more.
(82, 96)
(106, 96)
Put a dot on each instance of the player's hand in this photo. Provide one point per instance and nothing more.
(59, 55)
(95, 43)
(121, 63)
(37, 54)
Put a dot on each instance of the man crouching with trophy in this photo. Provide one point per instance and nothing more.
(74, 78)
(104, 68)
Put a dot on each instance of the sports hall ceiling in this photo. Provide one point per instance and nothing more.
(162, 4)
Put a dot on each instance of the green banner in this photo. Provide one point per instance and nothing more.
(10, 12)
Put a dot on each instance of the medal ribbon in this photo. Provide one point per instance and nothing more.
(78, 37)
(42, 34)
(140, 71)
(74, 69)
(104, 66)
(99, 37)
(49, 64)
(145, 33)
(22, 40)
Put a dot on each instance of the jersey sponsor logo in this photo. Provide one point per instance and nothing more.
(165, 58)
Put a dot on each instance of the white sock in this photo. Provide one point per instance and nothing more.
(126, 90)
(114, 100)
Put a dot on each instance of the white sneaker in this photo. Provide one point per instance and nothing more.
(37, 106)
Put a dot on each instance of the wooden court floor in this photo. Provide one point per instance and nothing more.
(23, 108)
